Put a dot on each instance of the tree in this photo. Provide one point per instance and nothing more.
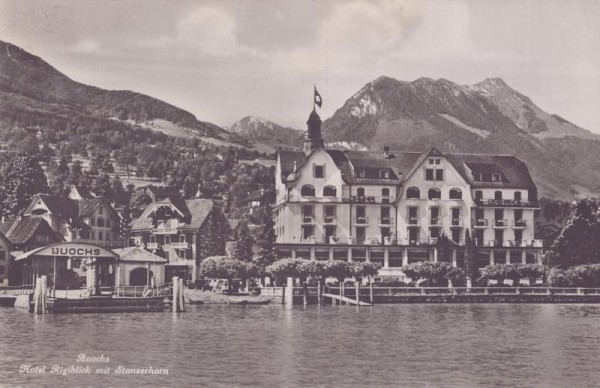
(222, 267)
(22, 177)
(435, 274)
(578, 241)
(59, 176)
(471, 270)
(243, 248)
(444, 253)
(266, 242)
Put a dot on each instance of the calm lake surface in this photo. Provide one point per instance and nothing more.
(386, 345)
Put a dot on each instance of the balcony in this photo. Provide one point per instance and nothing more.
(500, 224)
(480, 223)
(386, 221)
(519, 224)
(362, 221)
(308, 219)
(511, 243)
(456, 222)
(152, 245)
(413, 221)
(180, 245)
(329, 219)
(434, 221)
(161, 230)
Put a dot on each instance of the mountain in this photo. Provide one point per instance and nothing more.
(33, 93)
(488, 117)
(259, 130)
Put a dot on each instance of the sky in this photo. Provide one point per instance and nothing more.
(224, 60)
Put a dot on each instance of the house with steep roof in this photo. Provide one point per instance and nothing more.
(184, 232)
(23, 234)
(91, 220)
(392, 207)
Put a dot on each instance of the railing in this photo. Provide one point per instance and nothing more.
(434, 221)
(327, 219)
(17, 290)
(141, 291)
(456, 222)
(480, 223)
(308, 219)
(413, 221)
(386, 220)
(164, 230)
(362, 220)
(519, 223)
(365, 292)
(180, 245)
(500, 223)
(152, 245)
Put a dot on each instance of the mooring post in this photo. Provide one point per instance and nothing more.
(371, 289)
(181, 295)
(357, 287)
(36, 294)
(289, 292)
(319, 293)
(175, 292)
(44, 292)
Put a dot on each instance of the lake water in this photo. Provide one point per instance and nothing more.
(386, 345)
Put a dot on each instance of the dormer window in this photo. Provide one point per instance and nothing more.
(384, 174)
(496, 177)
(319, 171)
(360, 173)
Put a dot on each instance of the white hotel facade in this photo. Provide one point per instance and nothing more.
(391, 207)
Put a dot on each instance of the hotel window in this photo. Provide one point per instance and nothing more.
(307, 231)
(517, 196)
(434, 193)
(434, 232)
(360, 173)
(498, 195)
(456, 235)
(455, 194)
(413, 193)
(413, 215)
(319, 171)
(360, 191)
(384, 174)
(307, 213)
(329, 213)
(152, 238)
(101, 222)
(100, 210)
(100, 236)
(92, 221)
(478, 194)
(496, 177)
(434, 213)
(182, 238)
(329, 191)
(307, 191)
(432, 174)
(167, 239)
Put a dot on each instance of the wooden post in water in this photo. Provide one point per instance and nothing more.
(181, 296)
(305, 294)
(36, 295)
(319, 293)
(44, 291)
(371, 289)
(289, 292)
(342, 290)
(175, 282)
(357, 289)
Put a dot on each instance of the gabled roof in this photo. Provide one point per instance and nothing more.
(161, 192)
(514, 171)
(195, 213)
(60, 206)
(88, 206)
(21, 229)
(138, 254)
(234, 222)
(4, 238)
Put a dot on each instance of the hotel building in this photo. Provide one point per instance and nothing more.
(391, 207)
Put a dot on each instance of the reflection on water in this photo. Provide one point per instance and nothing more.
(387, 345)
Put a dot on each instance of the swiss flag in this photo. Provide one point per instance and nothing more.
(318, 99)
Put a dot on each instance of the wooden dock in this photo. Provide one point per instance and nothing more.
(106, 304)
(346, 300)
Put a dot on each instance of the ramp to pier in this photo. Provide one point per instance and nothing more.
(347, 300)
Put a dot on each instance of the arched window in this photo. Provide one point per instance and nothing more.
(329, 191)
(455, 194)
(307, 191)
(413, 193)
(434, 193)
(498, 195)
(517, 196)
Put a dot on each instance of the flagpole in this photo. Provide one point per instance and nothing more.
(314, 90)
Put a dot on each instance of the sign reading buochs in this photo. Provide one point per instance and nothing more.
(75, 249)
